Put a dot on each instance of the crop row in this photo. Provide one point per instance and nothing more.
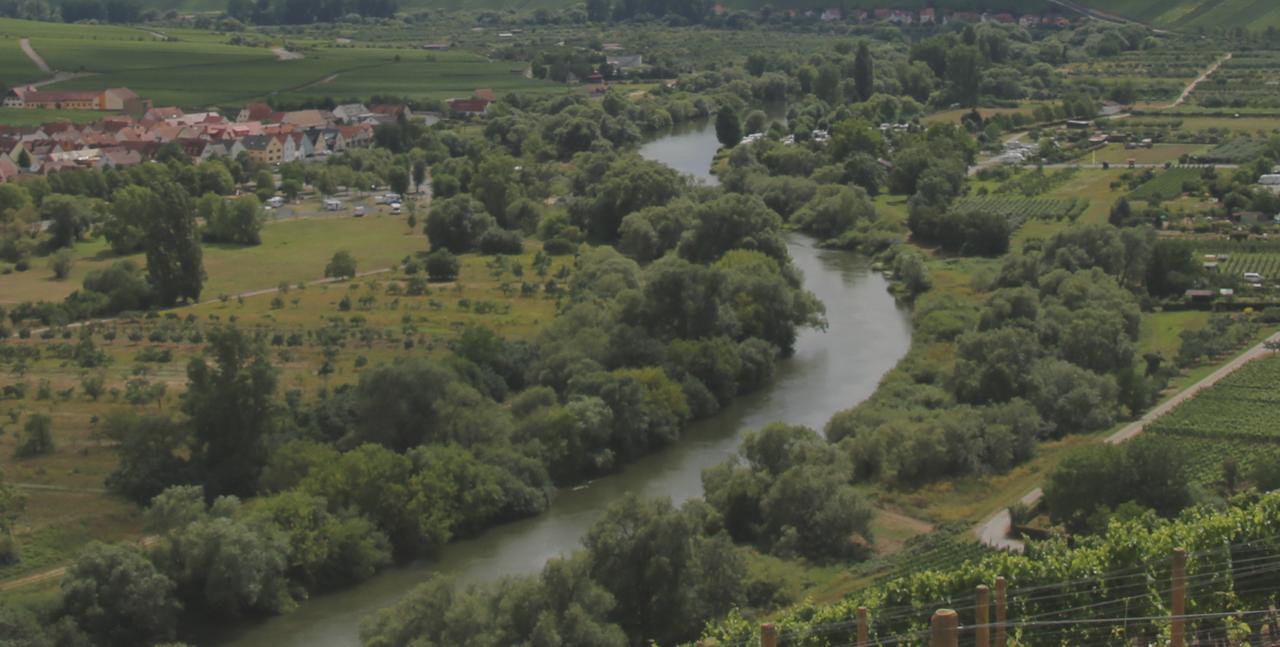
(1243, 406)
(1268, 265)
(1019, 210)
(1166, 186)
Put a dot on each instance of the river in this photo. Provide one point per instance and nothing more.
(831, 370)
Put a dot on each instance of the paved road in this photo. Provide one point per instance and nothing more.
(995, 530)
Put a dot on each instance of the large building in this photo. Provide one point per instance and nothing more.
(31, 97)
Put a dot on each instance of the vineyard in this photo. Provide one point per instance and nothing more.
(944, 547)
(1236, 418)
(1020, 210)
(1236, 151)
(1036, 182)
(1167, 185)
(1268, 265)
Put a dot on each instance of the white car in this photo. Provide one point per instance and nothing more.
(359, 211)
(395, 208)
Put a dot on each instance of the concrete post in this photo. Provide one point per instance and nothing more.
(863, 638)
(768, 635)
(945, 629)
(1178, 627)
(982, 619)
(1002, 612)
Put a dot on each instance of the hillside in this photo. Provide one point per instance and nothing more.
(1193, 14)
(1018, 6)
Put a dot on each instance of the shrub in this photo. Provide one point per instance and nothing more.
(559, 247)
(442, 265)
(37, 437)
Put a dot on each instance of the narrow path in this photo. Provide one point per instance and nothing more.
(327, 79)
(35, 57)
(995, 530)
(1192, 86)
(57, 77)
(59, 488)
(58, 572)
(283, 54)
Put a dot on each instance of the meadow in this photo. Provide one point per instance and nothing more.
(291, 251)
(318, 336)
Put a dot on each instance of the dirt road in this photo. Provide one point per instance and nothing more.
(995, 529)
(1192, 87)
(35, 57)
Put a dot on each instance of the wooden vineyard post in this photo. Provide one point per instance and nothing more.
(945, 629)
(982, 626)
(863, 639)
(768, 636)
(1002, 612)
(1178, 627)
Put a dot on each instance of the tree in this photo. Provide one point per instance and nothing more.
(125, 224)
(37, 437)
(457, 223)
(864, 72)
(60, 263)
(230, 406)
(342, 266)
(827, 85)
(398, 179)
(175, 266)
(728, 127)
(69, 216)
(236, 221)
(442, 265)
(964, 73)
(118, 597)
(149, 448)
(12, 503)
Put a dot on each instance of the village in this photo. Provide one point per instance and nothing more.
(135, 131)
(926, 16)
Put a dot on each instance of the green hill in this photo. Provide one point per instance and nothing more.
(1017, 6)
(1193, 14)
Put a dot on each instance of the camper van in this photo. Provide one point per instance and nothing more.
(332, 204)
(1253, 277)
(359, 211)
(275, 202)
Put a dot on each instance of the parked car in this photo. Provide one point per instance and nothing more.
(359, 211)
(275, 202)
(332, 204)
(395, 208)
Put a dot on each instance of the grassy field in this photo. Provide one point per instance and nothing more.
(1157, 154)
(292, 251)
(201, 69)
(1191, 14)
(376, 319)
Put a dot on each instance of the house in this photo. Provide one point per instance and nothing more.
(928, 16)
(162, 114)
(1029, 21)
(118, 157)
(357, 136)
(255, 112)
(395, 111)
(900, 17)
(882, 14)
(349, 113)
(1004, 18)
(308, 118)
(119, 99)
(625, 62)
(30, 97)
(485, 94)
(469, 107)
(831, 15)
(263, 149)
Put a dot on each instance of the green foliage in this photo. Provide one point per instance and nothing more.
(442, 265)
(117, 597)
(1152, 472)
(60, 263)
(342, 266)
(37, 437)
(728, 127)
(231, 407)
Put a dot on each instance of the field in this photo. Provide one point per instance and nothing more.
(1020, 210)
(292, 251)
(1268, 265)
(1166, 185)
(320, 336)
(202, 69)
(1158, 154)
(1192, 14)
(1234, 419)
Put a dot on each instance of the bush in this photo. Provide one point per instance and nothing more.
(60, 263)
(442, 265)
(501, 241)
(559, 247)
(37, 437)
